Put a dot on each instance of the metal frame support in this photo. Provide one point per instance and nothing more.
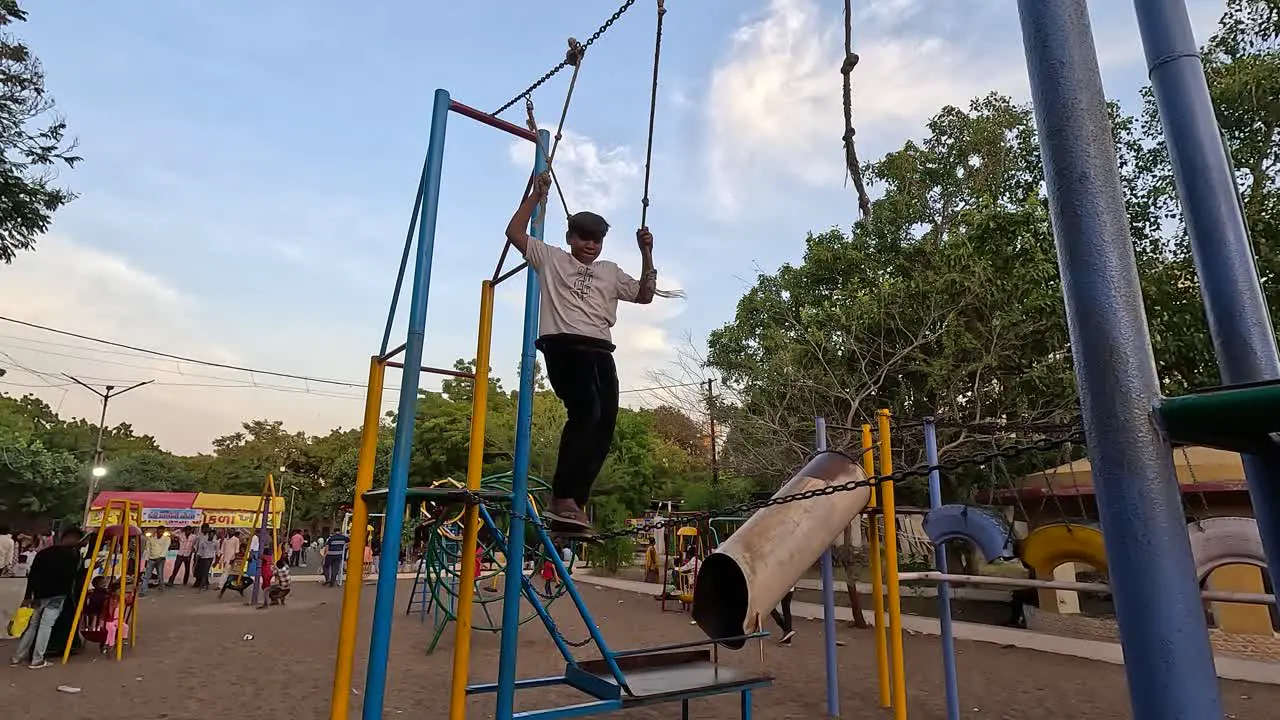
(1168, 660)
(1243, 337)
(520, 473)
(388, 564)
(828, 600)
(951, 683)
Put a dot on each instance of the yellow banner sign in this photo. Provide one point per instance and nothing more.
(177, 518)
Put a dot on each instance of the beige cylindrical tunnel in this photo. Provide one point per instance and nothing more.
(750, 572)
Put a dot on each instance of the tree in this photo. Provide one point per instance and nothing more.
(944, 301)
(35, 479)
(32, 144)
(150, 470)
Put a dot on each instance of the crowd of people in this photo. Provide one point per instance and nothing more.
(55, 570)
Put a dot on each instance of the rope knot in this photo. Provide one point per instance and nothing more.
(850, 62)
(574, 55)
(528, 112)
(662, 8)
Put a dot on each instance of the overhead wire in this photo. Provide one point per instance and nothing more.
(141, 352)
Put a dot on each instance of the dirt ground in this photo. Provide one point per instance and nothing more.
(192, 661)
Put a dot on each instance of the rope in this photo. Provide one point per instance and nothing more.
(533, 125)
(565, 63)
(850, 152)
(573, 57)
(653, 111)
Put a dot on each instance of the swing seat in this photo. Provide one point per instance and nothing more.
(1049, 546)
(1220, 541)
(662, 677)
(976, 526)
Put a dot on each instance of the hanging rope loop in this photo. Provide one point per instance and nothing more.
(850, 151)
(653, 110)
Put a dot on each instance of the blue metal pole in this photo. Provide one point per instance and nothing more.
(944, 588)
(520, 473)
(1168, 661)
(406, 412)
(1243, 337)
(404, 258)
(829, 600)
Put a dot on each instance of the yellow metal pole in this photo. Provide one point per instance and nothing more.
(340, 701)
(471, 523)
(124, 575)
(133, 617)
(88, 580)
(891, 572)
(877, 572)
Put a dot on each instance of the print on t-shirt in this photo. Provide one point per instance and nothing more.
(582, 285)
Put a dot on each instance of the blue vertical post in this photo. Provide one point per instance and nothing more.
(944, 588)
(1168, 660)
(1243, 337)
(829, 600)
(520, 473)
(406, 412)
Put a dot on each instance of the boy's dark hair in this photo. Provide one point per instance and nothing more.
(282, 561)
(588, 226)
(72, 530)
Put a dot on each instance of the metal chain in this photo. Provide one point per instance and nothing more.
(919, 471)
(565, 63)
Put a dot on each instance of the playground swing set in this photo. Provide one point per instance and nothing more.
(108, 615)
(270, 508)
(1170, 670)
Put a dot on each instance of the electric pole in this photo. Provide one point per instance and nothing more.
(99, 469)
(711, 415)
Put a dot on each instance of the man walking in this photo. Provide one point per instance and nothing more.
(205, 549)
(186, 545)
(49, 583)
(157, 549)
(334, 549)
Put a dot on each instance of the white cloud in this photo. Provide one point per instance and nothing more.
(73, 287)
(593, 177)
(774, 114)
(774, 109)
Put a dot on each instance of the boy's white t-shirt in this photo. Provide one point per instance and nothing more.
(578, 299)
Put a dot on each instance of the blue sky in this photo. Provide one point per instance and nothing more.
(249, 171)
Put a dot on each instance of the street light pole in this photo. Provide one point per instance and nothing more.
(99, 469)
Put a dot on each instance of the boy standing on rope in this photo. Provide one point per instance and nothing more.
(579, 305)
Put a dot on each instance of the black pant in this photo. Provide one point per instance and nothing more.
(784, 618)
(332, 566)
(585, 379)
(184, 562)
(203, 565)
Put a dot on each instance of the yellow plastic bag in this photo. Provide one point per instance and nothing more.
(18, 623)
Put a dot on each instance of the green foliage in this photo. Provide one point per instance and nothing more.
(51, 455)
(614, 553)
(32, 144)
(946, 300)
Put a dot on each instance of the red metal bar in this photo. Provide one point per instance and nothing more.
(437, 371)
(486, 119)
(509, 273)
(393, 352)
